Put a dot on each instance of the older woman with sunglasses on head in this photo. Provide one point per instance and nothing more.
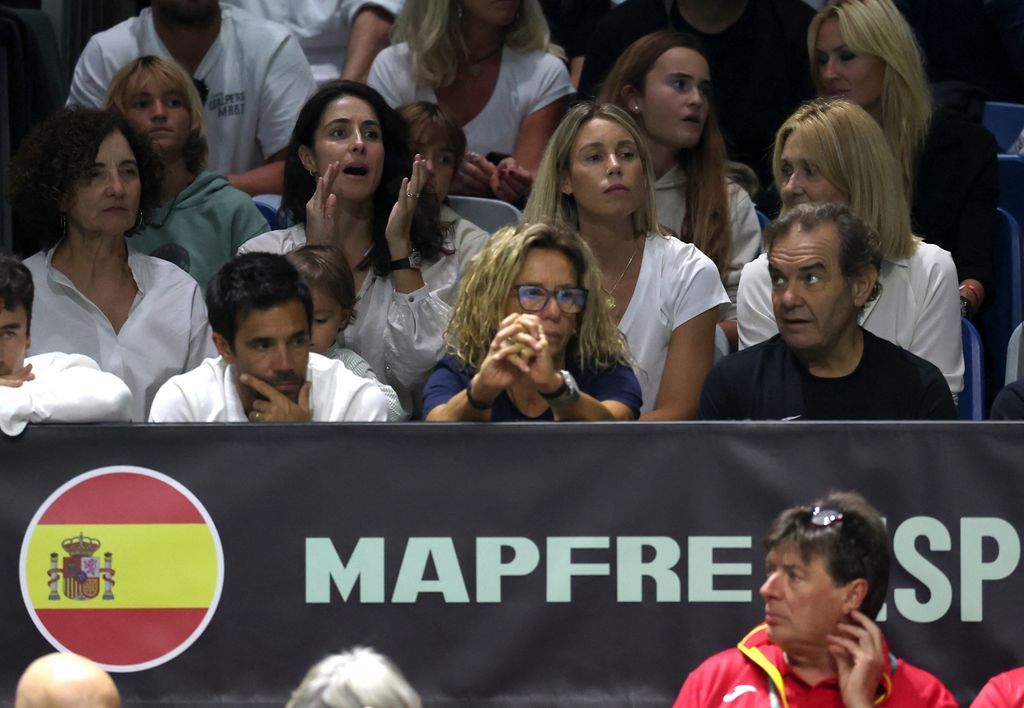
(531, 338)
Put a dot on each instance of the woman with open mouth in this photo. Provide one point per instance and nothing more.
(347, 183)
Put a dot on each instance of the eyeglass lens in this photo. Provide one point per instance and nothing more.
(534, 298)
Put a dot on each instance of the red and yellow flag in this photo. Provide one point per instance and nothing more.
(122, 565)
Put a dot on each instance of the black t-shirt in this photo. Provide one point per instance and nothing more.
(768, 382)
(1009, 404)
(759, 66)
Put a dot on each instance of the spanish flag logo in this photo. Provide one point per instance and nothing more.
(122, 565)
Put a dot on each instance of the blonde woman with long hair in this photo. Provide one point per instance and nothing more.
(664, 82)
(597, 176)
(493, 68)
(865, 51)
(531, 338)
(833, 151)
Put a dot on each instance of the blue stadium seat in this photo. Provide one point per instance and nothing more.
(971, 405)
(269, 205)
(1011, 185)
(489, 214)
(1005, 306)
(762, 219)
(1005, 121)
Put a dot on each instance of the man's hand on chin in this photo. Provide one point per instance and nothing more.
(17, 378)
(277, 408)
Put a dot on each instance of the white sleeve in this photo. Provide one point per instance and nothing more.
(89, 84)
(71, 389)
(937, 335)
(413, 337)
(351, 9)
(549, 80)
(170, 405)
(390, 78)
(746, 242)
(754, 313)
(367, 405)
(200, 339)
(698, 285)
(286, 86)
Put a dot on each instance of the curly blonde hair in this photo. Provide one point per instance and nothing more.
(487, 283)
(877, 28)
(432, 30)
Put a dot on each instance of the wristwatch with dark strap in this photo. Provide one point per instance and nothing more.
(413, 261)
(566, 394)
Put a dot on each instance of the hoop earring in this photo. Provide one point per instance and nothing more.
(63, 224)
(458, 11)
(138, 222)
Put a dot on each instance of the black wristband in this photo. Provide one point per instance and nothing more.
(557, 393)
(475, 403)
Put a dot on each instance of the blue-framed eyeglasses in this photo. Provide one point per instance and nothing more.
(533, 298)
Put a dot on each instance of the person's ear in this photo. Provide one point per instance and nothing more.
(855, 592)
(307, 159)
(633, 99)
(863, 285)
(346, 315)
(566, 183)
(223, 348)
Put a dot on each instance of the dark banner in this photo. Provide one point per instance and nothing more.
(512, 565)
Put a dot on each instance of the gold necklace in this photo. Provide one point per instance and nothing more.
(623, 273)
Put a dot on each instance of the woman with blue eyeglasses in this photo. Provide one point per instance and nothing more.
(531, 337)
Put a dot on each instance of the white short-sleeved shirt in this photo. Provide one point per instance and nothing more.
(676, 283)
(918, 308)
(67, 388)
(746, 230)
(399, 334)
(323, 27)
(257, 76)
(166, 332)
(208, 394)
(526, 83)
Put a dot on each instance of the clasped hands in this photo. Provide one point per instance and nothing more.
(519, 353)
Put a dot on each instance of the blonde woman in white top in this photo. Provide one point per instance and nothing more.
(596, 176)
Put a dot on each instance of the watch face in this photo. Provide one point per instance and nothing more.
(415, 260)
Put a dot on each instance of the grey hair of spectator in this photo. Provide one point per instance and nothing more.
(357, 678)
(859, 244)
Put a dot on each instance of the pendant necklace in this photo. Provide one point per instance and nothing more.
(610, 293)
(474, 63)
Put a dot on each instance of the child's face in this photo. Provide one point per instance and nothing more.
(441, 161)
(329, 318)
